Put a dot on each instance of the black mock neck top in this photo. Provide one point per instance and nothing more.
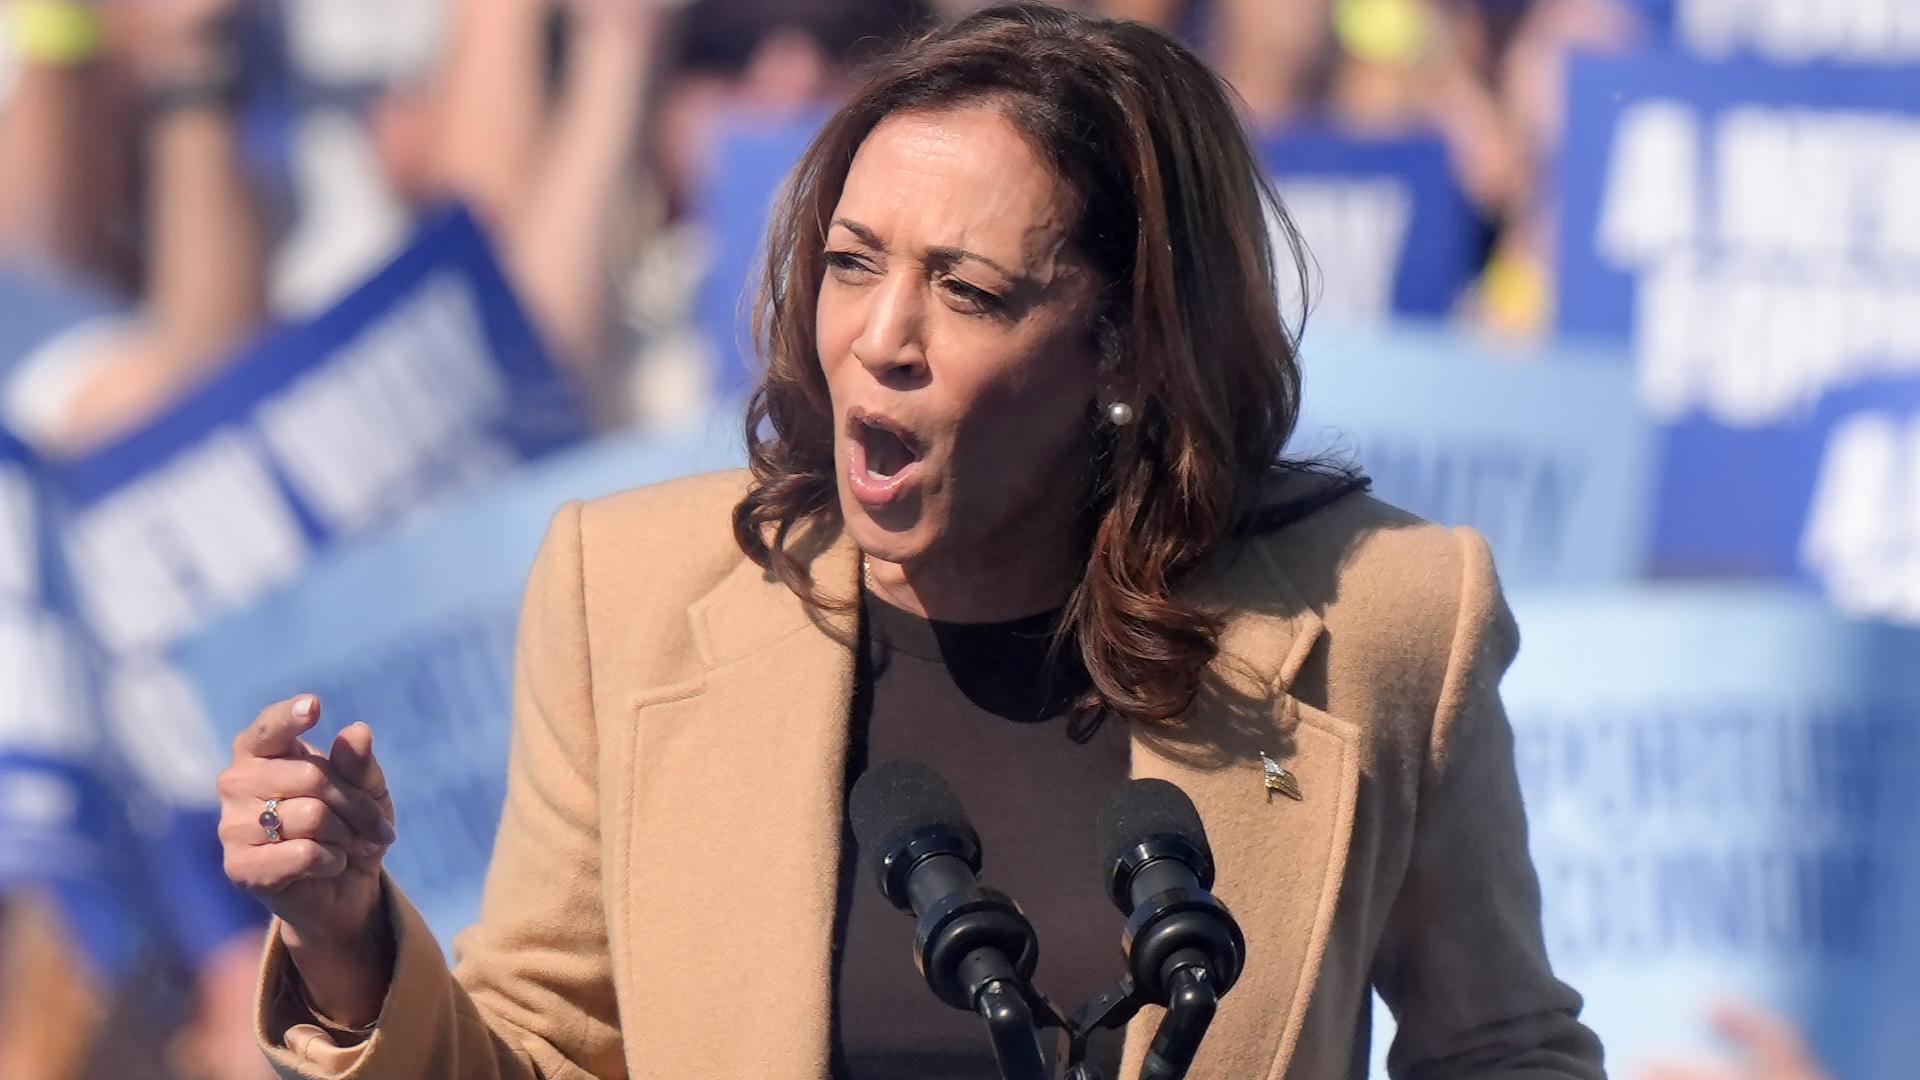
(988, 707)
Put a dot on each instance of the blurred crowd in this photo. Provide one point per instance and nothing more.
(179, 176)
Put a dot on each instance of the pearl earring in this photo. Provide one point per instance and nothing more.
(1120, 414)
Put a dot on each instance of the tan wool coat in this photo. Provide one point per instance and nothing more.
(675, 708)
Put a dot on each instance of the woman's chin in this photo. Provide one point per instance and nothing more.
(892, 533)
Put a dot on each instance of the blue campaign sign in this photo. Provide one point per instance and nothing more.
(1860, 540)
(425, 380)
(1721, 782)
(1547, 456)
(62, 824)
(1751, 231)
(1794, 31)
(1390, 230)
(46, 733)
(414, 634)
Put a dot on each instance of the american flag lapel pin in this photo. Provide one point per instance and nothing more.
(1277, 778)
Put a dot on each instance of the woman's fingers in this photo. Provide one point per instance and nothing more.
(276, 731)
(324, 823)
(252, 782)
(300, 819)
(353, 759)
(333, 811)
(269, 868)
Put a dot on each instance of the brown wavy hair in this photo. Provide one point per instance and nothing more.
(1175, 217)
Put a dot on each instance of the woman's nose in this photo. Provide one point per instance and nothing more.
(890, 344)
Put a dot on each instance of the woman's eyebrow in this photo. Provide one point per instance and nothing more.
(861, 232)
(954, 255)
(941, 254)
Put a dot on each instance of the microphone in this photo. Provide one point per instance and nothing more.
(1184, 949)
(973, 945)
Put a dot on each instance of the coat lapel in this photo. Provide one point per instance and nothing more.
(739, 787)
(1280, 861)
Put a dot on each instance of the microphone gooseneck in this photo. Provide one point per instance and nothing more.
(973, 945)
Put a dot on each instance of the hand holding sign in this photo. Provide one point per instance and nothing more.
(304, 833)
(1771, 1049)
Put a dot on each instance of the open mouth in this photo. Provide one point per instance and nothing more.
(887, 451)
(883, 457)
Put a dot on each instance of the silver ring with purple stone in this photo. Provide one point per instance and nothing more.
(270, 820)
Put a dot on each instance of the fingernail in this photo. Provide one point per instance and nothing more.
(303, 706)
(387, 835)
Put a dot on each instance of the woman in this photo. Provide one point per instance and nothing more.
(1012, 510)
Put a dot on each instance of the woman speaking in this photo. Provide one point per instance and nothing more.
(1016, 509)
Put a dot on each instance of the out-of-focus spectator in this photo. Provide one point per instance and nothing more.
(1516, 294)
(64, 147)
(1385, 136)
(1769, 1048)
(46, 1013)
(1272, 53)
(583, 130)
(1404, 66)
(553, 175)
(202, 287)
(1484, 75)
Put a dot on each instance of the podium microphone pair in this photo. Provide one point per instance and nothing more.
(977, 950)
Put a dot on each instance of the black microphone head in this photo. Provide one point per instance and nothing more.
(895, 801)
(1144, 811)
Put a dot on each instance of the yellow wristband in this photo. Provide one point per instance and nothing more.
(1517, 294)
(59, 33)
(1393, 32)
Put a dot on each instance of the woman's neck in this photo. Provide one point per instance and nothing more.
(979, 589)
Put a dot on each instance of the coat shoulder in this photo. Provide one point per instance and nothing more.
(683, 528)
(646, 556)
(1389, 588)
(1365, 561)
(706, 496)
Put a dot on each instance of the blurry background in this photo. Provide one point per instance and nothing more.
(312, 311)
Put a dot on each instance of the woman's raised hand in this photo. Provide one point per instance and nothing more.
(304, 832)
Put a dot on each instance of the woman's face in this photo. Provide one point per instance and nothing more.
(955, 328)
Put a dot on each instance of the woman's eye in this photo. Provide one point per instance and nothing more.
(977, 299)
(845, 263)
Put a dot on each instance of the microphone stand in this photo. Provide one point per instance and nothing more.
(1194, 999)
(1015, 1013)
(1001, 996)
